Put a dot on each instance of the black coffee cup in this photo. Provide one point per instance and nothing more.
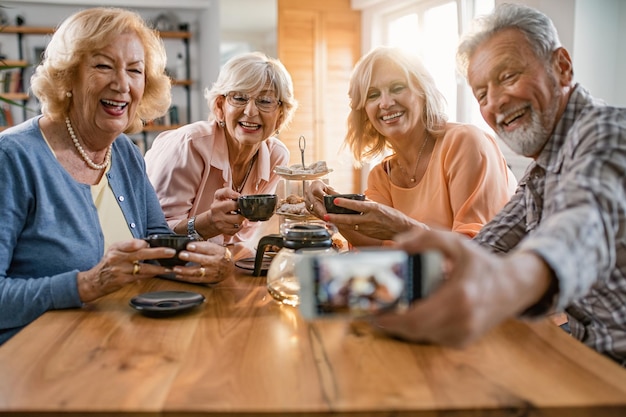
(257, 207)
(329, 203)
(178, 242)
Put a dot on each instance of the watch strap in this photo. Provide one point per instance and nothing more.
(191, 228)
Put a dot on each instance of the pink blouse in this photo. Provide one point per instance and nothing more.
(188, 165)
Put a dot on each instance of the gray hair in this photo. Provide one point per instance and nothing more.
(250, 73)
(536, 27)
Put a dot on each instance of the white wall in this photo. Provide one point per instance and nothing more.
(254, 30)
(599, 55)
(620, 82)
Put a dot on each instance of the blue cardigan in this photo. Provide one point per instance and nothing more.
(51, 229)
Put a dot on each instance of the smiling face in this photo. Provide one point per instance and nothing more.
(108, 87)
(392, 107)
(247, 125)
(519, 96)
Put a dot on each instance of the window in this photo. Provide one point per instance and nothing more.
(432, 30)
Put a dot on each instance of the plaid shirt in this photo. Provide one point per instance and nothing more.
(570, 209)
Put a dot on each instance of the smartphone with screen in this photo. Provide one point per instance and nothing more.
(364, 282)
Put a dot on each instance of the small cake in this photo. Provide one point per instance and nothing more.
(293, 204)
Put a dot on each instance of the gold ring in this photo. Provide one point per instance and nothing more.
(356, 227)
(311, 207)
(136, 267)
(202, 272)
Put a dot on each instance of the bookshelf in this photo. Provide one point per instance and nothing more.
(11, 91)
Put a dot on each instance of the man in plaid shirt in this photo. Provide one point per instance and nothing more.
(560, 243)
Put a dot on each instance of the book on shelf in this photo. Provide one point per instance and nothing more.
(170, 118)
(6, 117)
(173, 113)
(11, 81)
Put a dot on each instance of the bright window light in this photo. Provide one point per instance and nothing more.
(431, 30)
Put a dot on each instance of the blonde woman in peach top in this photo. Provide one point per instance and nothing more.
(439, 174)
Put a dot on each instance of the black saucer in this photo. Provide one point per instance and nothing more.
(248, 264)
(166, 303)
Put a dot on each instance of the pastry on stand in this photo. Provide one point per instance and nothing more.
(292, 207)
(295, 177)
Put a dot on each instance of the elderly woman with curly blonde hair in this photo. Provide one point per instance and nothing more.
(76, 200)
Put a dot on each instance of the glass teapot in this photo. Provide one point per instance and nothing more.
(294, 239)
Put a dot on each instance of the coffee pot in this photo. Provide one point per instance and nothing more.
(294, 239)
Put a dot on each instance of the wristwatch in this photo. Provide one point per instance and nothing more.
(191, 228)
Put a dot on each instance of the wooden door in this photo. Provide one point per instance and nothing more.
(319, 43)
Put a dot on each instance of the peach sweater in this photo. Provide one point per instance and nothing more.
(466, 183)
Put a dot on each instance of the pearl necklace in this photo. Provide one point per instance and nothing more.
(419, 156)
(81, 151)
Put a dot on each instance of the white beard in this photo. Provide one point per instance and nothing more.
(529, 140)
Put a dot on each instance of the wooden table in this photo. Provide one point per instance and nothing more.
(242, 353)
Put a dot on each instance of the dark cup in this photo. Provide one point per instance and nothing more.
(329, 203)
(257, 207)
(178, 242)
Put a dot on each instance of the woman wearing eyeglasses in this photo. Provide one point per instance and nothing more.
(200, 169)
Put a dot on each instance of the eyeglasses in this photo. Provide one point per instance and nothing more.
(263, 103)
